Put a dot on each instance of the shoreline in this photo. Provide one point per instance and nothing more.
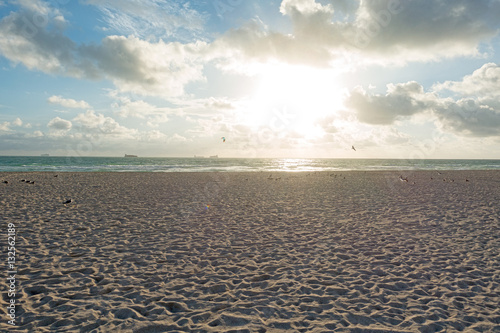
(255, 251)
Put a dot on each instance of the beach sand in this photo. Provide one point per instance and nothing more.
(254, 252)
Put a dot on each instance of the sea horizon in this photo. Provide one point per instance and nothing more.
(232, 164)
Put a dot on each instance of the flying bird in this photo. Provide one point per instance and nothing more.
(353, 148)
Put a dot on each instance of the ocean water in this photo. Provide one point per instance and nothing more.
(158, 164)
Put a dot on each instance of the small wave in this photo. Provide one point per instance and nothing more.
(119, 164)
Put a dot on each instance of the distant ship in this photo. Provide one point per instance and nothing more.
(126, 155)
(199, 156)
(45, 155)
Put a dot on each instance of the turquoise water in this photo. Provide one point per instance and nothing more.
(144, 164)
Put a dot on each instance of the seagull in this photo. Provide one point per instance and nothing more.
(67, 201)
(353, 148)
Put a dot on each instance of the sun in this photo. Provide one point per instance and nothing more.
(296, 97)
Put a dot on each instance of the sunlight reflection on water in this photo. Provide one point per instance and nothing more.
(186, 164)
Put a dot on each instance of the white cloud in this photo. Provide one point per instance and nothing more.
(68, 102)
(466, 115)
(60, 124)
(424, 29)
(17, 122)
(5, 126)
(153, 136)
(33, 36)
(135, 65)
(385, 31)
(40, 7)
(36, 134)
(469, 117)
(304, 7)
(141, 109)
(98, 124)
(401, 100)
(176, 138)
(483, 82)
(219, 104)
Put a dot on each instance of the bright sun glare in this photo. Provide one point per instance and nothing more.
(296, 97)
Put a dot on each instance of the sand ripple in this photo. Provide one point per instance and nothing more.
(245, 253)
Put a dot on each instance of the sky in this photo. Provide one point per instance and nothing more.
(405, 79)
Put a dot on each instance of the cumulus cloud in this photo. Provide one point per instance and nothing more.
(384, 31)
(483, 82)
(469, 117)
(40, 7)
(60, 124)
(155, 68)
(425, 29)
(218, 104)
(35, 46)
(176, 138)
(141, 109)
(477, 116)
(68, 102)
(401, 100)
(148, 68)
(17, 122)
(92, 123)
(86, 133)
(255, 43)
(35, 134)
(5, 127)
(153, 136)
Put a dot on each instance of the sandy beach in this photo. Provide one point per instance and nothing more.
(253, 252)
